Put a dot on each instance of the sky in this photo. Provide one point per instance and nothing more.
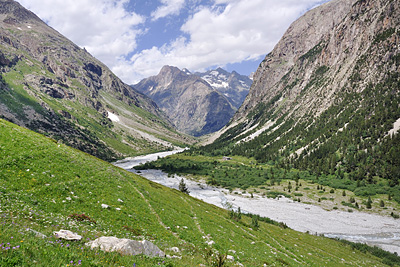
(135, 38)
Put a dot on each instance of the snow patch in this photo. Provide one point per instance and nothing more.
(219, 85)
(113, 117)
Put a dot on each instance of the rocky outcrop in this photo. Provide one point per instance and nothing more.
(126, 246)
(190, 102)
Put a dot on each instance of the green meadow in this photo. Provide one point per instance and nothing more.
(46, 186)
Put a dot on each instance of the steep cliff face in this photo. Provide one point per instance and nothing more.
(189, 101)
(327, 97)
(296, 54)
(52, 86)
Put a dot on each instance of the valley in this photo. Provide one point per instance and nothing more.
(372, 226)
(296, 165)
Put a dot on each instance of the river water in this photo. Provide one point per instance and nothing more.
(371, 229)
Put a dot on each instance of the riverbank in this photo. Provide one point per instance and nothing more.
(372, 229)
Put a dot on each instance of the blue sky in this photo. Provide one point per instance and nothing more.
(135, 38)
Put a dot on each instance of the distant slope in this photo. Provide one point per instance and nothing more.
(189, 101)
(326, 99)
(45, 187)
(232, 85)
(52, 86)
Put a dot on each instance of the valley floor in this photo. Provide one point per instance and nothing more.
(372, 229)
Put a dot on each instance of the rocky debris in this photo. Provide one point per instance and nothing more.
(67, 235)
(126, 246)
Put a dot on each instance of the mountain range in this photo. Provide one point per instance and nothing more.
(197, 104)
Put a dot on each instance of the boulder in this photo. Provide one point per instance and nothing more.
(67, 235)
(126, 246)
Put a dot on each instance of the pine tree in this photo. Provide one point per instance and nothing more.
(183, 188)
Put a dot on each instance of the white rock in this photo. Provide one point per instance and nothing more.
(126, 246)
(175, 249)
(105, 206)
(67, 235)
(120, 200)
(117, 208)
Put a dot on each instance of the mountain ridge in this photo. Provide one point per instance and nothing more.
(189, 101)
(327, 104)
(53, 86)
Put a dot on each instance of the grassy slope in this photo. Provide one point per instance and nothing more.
(43, 182)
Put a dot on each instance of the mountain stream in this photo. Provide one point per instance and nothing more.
(374, 230)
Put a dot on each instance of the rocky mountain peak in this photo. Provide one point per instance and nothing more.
(12, 12)
(190, 102)
(232, 85)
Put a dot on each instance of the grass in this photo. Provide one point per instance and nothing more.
(46, 186)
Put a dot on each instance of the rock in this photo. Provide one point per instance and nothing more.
(174, 257)
(175, 249)
(230, 258)
(105, 206)
(67, 235)
(126, 246)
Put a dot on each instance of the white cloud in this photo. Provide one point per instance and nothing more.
(169, 7)
(241, 30)
(103, 27)
(230, 31)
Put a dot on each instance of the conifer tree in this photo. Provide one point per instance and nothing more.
(183, 188)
